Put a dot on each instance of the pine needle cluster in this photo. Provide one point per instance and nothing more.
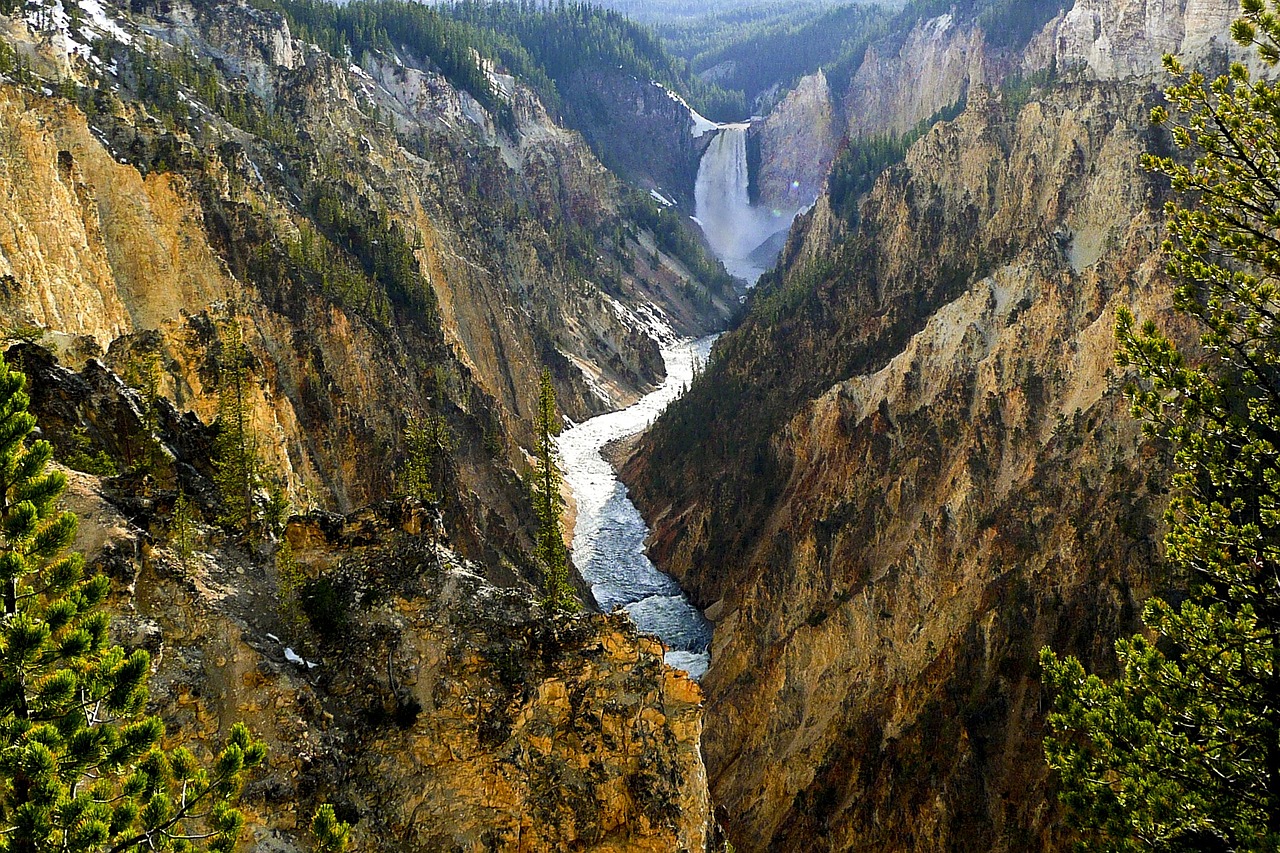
(81, 767)
(1182, 750)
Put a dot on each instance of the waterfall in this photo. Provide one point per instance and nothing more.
(735, 229)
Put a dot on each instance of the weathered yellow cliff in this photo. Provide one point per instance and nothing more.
(507, 251)
(387, 252)
(449, 715)
(910, 469)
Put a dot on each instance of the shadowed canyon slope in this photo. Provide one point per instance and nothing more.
(912, 466)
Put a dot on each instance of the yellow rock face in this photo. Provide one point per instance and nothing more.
(449, 716)
(958, 484)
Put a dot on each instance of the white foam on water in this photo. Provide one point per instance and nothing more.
(608, 537)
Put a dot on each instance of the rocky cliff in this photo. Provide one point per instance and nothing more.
(797, 142)
(386, 250)
(909, 469)
(180, 177)
(441, 714)
(928, 64)
(642, 130)
(910, 76)
(1114, 39)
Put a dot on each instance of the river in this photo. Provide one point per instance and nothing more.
(608, 537)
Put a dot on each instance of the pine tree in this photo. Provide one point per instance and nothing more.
(427, 442)
(331, 835)
(144, 374)
(237, 467)
(549, 547)
(182, 527)
(80, 768)
(1182, 750)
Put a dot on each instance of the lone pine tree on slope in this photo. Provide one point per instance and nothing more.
(237, 465)
(1182, 751)
(549, 547)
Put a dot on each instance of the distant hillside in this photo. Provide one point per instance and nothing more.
(759, 49)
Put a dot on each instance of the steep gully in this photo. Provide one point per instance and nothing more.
(609, 533)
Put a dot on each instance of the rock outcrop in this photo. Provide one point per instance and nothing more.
(433, 709)
(446, 714)
(1115, 39)
(797, 142)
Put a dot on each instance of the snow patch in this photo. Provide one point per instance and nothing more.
(94, 25)
(938, 26)
(98, 18)
(661, 199)
(647, 318)
(701, 125)
(293, 657)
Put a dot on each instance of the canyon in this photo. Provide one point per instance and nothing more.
(911, 465)
(906, 466)
(388, 254)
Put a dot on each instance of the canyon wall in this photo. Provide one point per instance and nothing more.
(905, 79)
(473, 257)
(912, 466)
(181, 176)
(797, 142)
(642, 130)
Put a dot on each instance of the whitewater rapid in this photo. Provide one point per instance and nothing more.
(609, 534)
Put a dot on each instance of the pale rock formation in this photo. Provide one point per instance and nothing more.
(901, 84)
(797, 142)
(1115, 39)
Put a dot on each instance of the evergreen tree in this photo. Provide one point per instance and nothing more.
(331, 835)
(237, 468)
(80, 768)
(144, 373)
(427, 442)
(182, 526)
(549, 547)
(1182, 751)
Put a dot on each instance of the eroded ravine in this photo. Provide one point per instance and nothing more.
(609, 534)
